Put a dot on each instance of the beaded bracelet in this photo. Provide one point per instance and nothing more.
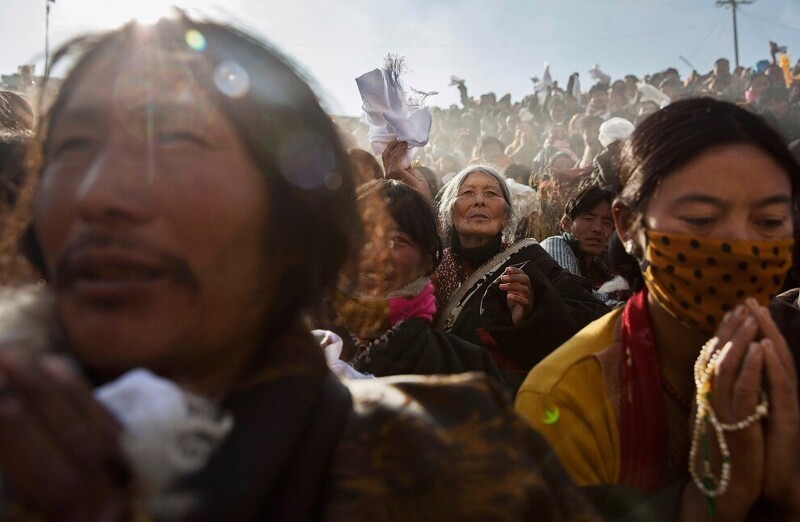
(706, 420)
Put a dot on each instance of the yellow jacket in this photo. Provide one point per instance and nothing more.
(565, 397)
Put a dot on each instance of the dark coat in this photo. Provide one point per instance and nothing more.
(306, 446)
(414, 348)
(563, 305)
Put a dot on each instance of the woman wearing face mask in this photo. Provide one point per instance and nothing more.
(387, 311)
(618, 401)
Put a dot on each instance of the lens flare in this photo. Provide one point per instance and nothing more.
(195, 40)
(231, 79)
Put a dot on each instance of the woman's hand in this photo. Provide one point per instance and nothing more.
(59, 449)
(782, 428)
(392, 158)
(519, 293)
(734, 396)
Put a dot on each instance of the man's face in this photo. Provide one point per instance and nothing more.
(153, 222)
(592, 229)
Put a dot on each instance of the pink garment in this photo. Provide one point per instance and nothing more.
(422, 305)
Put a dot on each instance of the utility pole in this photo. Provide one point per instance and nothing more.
(733, 4)
(47, 34)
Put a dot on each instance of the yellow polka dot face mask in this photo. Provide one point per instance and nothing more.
(698, 279)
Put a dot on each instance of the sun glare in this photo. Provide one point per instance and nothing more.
(102, 14)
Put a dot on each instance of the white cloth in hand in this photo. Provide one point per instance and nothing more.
(390, 114)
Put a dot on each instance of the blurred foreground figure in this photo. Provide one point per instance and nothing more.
(193, 199)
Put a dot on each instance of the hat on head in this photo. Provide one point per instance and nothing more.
(615, 129)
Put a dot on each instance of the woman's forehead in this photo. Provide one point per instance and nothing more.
(480, 179)
(731, 172)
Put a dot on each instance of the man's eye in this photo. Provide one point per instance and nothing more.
(71, 144)
(172, 138)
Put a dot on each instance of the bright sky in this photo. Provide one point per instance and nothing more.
(496, 45)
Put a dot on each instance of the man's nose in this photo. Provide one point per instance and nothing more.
(117, 186)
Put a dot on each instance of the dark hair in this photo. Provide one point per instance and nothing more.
(13, 166)
(362, 161)
(586, 199)
(411, 211)
(291, 139)
(430, 179)
(674, 136)
(518, 172)
(598, 88)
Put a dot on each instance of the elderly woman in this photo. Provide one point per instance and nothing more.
(194, 199)
(514, 299)
(386, 304)
(690, 390)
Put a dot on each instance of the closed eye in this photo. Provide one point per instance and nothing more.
(173, 138)
(70, 144)
(700, 221)
(771, 223)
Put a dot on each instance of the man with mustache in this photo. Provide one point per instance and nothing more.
(193, 201)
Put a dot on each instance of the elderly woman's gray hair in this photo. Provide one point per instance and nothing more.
(449, 193)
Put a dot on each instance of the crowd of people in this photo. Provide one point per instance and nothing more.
(220, 304)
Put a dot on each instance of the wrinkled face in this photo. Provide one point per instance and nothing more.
(479, 212)
(592, 229)
(153, 222)
(714, 196)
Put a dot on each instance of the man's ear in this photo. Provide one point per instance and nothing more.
(566, 222)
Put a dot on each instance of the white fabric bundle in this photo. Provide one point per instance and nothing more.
(390, 112)
(615, 129)
(598, 75)
(540, 86)
(648, 93)
(332, 346)
(167, 432)
(523, 198)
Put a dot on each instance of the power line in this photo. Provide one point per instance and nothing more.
(770, 22)
(733, 5)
